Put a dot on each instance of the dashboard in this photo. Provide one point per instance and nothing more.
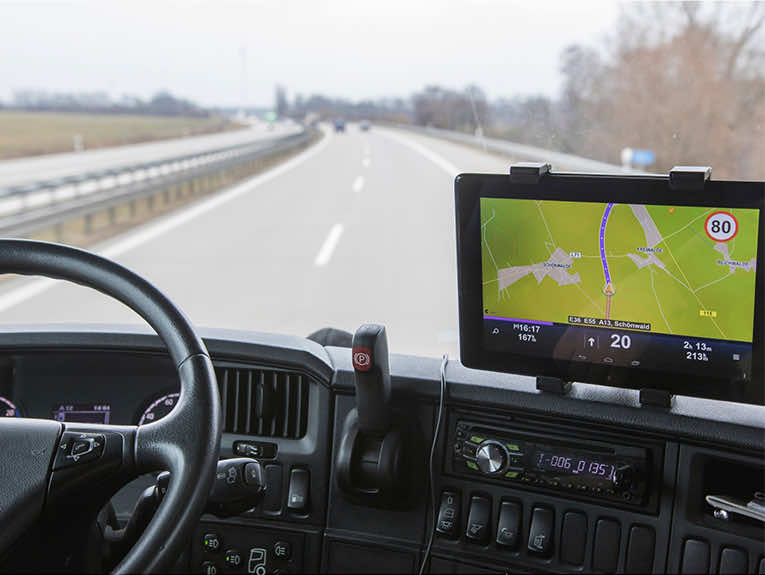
(525, 481)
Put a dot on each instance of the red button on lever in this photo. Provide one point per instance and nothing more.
(362, 358)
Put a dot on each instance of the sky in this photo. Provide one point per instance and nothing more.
(224, 52)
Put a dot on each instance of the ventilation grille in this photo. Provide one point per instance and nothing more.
(263, 402)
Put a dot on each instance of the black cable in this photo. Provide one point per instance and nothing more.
(431, 464)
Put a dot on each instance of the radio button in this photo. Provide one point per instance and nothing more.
(541, 531)
(469, 449)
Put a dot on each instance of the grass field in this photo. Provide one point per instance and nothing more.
(35, 133)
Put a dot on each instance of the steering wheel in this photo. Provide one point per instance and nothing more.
(44, 461)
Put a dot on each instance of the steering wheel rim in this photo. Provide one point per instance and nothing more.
(186, 441)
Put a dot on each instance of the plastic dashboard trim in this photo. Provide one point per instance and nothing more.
(689, 418)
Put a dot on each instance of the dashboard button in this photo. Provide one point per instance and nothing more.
(541, 531)
(232, 558)
(605, 554)
(282, 550)
(573, 538)
(449, 515)
(209, 568)
(211, 542)
(509, 524)
(695, 557)
(479, 519)
(299, 490)
(733, 561)
(272, 501)
(640, 550)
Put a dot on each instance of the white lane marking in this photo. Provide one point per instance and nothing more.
(358, 184)
(437, 159)
(329, 245)
(162, 226)
(365, 162)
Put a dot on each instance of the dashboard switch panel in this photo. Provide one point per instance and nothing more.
(541, 531)
(479, 519)
(449, 515)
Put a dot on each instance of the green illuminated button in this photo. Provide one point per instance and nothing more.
(472, 465)
(511, 474)
(512, 447)
(476, 439)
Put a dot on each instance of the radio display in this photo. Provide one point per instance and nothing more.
(569, 464)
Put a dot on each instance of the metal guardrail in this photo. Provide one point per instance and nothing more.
(32, 207)
(559, 160)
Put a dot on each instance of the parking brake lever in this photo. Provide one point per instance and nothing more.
(372, 371)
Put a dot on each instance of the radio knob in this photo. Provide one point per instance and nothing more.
(491, 457)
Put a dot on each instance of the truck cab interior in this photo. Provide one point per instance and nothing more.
(412, 287)
(240, 452)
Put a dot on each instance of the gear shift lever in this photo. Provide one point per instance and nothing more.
(373, 387)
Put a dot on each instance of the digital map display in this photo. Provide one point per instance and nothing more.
(677, 270)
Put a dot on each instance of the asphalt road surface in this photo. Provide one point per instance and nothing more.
(358, 228)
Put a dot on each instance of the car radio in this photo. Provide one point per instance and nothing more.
(601, 470)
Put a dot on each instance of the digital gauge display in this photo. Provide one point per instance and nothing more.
(7, 409)
(568, 463)
(159, 408)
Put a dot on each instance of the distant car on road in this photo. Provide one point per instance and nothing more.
(365, 125)
(339, 125)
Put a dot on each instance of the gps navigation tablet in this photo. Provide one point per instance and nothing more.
(614, 280)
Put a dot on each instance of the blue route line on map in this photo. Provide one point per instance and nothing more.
(607, 213)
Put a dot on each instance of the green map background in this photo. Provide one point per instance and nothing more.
(514, 233)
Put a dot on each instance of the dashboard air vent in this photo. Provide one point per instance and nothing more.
(263, 402)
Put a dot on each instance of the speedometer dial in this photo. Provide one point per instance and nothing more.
(159, 408)
(7, 409)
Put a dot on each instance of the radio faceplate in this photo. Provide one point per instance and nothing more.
(591, 469)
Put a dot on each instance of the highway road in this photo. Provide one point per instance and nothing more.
(358, 228)
(23, 171)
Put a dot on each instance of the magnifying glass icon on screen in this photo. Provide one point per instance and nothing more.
(495, 331)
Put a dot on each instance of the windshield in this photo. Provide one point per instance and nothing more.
(288, 166)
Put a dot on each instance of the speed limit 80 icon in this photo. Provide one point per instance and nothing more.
(721, 226)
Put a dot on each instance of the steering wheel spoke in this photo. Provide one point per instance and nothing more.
(78, 466)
